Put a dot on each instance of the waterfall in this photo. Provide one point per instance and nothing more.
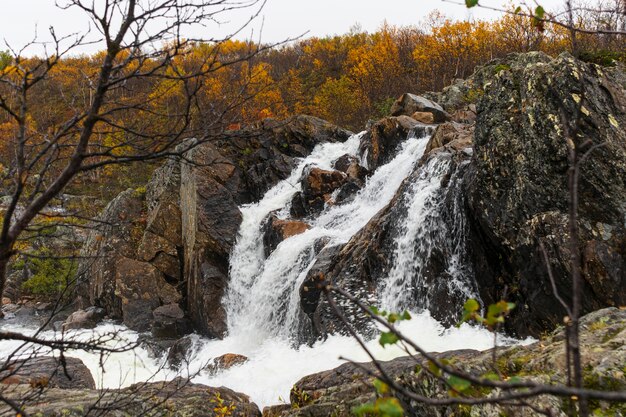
(422, 230)
(263, 296)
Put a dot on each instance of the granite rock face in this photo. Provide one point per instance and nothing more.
(517, 186)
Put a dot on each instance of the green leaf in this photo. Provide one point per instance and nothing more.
(471, 3)
(459, 384)
(406, 315)
(471, 305)
(374, 310)
(364, 409)
(387, 338)
(518, 9)
(380, 386)
(393, 317)
(389, 407)
(539, 12)
(434, 369)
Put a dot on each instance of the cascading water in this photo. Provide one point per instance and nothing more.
(263, 297)
(421, 231)
(262, 300)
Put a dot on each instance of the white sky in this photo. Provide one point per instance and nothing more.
(21, 19)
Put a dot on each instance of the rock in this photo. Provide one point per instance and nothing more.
(84, 319)
(6, 300)
(224, 362)
(454, 136)
(141, 289)
(116, 235)
(179, 353)
(177, 398)
(317, 186)
(408, 104)
(351, 166)
(517, 187)
(169, 322)
(603, 338)
(276, 230)
(423, 117)
(379, 144)
(47, 372)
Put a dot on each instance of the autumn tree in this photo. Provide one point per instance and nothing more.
(103, 108)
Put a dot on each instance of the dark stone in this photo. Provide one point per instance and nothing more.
(170, 322)
(47, 372)
(317, 186)
(518, 193)
(180, 352)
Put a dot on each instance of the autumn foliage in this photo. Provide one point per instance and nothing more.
(346, 79)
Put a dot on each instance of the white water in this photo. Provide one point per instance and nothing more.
(262, 301)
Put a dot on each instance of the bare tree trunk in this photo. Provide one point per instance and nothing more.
(5, 255)
(574, 242)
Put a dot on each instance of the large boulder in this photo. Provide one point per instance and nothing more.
(177, 398)
(409, 104)
(603, 339)
(275, 230)
(84, 319)
(47, 371)
(518, 188)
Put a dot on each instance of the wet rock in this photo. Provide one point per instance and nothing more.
(47, 372)
(178, 355)
(379, 144)
(177, 398)
(169, 322)
(317, 188)
(224, 362)
(351, 166)
(6, 300)
(408, 104)
(84, 319)
(453, 136)
(276, 230)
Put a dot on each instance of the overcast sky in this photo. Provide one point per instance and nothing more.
(281, 19)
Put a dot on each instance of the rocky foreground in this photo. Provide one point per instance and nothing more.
(335, 392)
(603, 342)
